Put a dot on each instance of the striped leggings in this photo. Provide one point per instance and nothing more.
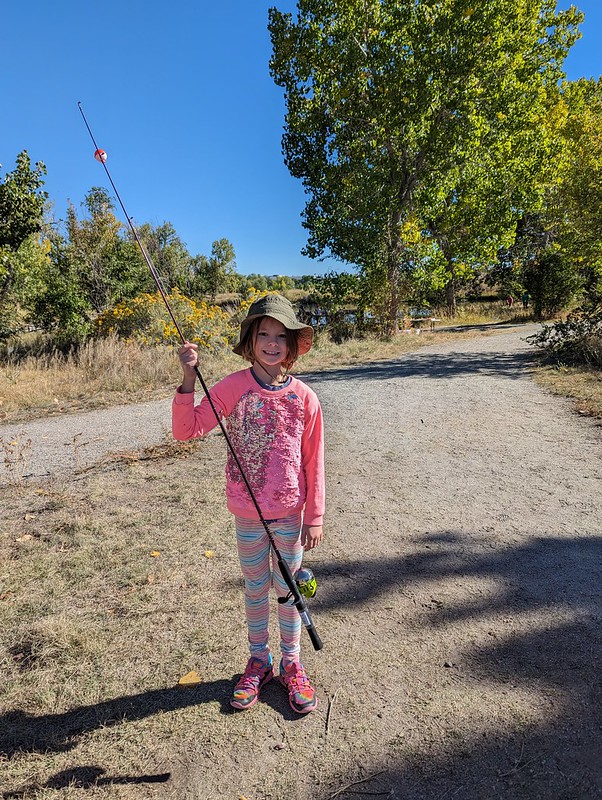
(254, 554)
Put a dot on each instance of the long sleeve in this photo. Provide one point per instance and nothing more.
(312, 453)
(190, 421)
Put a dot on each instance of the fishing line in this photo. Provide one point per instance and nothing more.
(295, 593)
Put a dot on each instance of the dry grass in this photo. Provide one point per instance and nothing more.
(104, 372)
(582, 385)
(97, 629)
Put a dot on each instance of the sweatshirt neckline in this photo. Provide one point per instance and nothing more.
(268, 387)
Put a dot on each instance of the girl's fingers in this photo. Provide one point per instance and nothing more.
(187, 347)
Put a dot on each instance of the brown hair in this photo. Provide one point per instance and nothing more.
(247, 345)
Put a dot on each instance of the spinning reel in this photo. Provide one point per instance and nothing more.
(306, 583)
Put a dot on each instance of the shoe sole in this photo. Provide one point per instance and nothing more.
(239, 707)
(307, 710)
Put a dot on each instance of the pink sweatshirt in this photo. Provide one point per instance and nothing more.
(278, 438)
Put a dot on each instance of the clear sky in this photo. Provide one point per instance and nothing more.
(179, 95)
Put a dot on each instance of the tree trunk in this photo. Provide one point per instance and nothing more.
(392, 325)
(450, 291)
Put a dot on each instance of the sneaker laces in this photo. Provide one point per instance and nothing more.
(251, 677)
(297, 678)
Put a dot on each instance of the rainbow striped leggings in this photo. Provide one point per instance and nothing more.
(254, 553)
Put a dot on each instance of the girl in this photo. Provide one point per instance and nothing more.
(275, 424)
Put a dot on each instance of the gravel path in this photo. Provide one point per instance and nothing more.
(459, 596)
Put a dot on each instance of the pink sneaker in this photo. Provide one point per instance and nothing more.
(301, 695)
(246, 692)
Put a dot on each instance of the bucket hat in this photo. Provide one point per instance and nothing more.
(281, 309)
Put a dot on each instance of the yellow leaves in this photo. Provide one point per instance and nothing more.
(209, 553)
(145, 319)
(189, 680)
(155, 554)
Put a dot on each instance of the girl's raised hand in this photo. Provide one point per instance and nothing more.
(188, 356)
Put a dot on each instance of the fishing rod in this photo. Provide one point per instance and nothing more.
(304, 584)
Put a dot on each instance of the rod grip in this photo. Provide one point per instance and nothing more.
(315, 639)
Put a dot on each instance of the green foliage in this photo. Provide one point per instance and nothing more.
(167, 253)
(397, 109)
(255, 281)
(21, 210)
(552, 282)
(59, 305)
(216, 274)
(107, 265)
(21, 202)
(337, 295)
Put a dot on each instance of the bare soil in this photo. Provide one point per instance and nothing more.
(458, 601)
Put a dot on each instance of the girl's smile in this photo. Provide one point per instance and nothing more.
(270, 349)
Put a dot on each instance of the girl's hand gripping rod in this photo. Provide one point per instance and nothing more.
(295, 594)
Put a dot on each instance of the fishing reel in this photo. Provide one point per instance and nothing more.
(306, 583)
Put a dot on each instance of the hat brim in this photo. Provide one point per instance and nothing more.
(305, 333)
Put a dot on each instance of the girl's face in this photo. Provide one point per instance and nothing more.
(270, 347)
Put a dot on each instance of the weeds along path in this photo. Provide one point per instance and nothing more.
(63, 445)
(459, 596)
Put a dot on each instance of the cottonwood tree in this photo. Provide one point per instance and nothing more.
(388, 101)
(578, 203)
(557, 251)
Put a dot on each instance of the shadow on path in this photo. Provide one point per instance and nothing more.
(85, 778)
(21, 732)
(547, 590)
(433, 365)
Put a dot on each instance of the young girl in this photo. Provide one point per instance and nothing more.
(275, 424)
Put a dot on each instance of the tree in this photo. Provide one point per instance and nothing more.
(551, 282)
(578, 199)
(389, 102)
(217, 273)
(59, 304)
(168, 254)
(21, 215)
(108, 265)
(256, 281)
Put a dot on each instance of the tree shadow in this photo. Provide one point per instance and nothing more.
(423, 364)
(527, 573)
(557, 660)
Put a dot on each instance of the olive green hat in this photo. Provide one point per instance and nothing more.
(281, 309)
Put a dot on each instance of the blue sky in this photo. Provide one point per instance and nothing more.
(180, 97)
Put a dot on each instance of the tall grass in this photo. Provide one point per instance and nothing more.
(101, 372)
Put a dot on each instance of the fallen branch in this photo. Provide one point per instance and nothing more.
(356, 783)
(330, 704)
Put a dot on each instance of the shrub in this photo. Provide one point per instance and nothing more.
(145, 320)
(577, 340)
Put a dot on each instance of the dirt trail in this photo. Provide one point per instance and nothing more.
(459, 591)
